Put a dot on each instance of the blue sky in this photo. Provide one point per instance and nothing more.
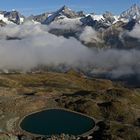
(28, 7)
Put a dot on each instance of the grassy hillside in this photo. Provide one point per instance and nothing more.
(116, 108)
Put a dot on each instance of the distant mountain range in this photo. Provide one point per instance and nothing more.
(64, 13)
(109, 27)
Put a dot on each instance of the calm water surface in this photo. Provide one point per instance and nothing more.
(57, 121)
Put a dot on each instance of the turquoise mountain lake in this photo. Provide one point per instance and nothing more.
(57, 121)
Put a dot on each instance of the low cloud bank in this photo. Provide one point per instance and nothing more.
(33, 45)
(117, 62)
(135, 32)
(38, 47)
(89, 35)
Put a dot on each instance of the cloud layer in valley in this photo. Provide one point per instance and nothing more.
(33, 45)
(89, 35)
(135, 32)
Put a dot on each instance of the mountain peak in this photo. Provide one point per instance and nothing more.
(64, 9)
(135, 6)
(132, 13)
(67, 12)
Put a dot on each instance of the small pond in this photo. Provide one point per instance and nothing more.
(57, 121)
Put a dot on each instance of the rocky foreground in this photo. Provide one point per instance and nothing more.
(116, 107)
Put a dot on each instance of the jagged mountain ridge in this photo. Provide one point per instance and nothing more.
(64, 12)
(106, 25)
(132, 13)
(11, 17)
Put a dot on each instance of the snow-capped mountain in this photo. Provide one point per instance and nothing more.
(40, 18)
(65, 14)
(67, 22)
(11, 17)
(106, 17)
(133, 13)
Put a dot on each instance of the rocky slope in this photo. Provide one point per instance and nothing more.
(116, 108)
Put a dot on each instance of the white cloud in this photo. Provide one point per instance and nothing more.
(37, 46)
(89, 35)
(135, 32)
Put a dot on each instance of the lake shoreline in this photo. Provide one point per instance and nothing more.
(57, 108)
